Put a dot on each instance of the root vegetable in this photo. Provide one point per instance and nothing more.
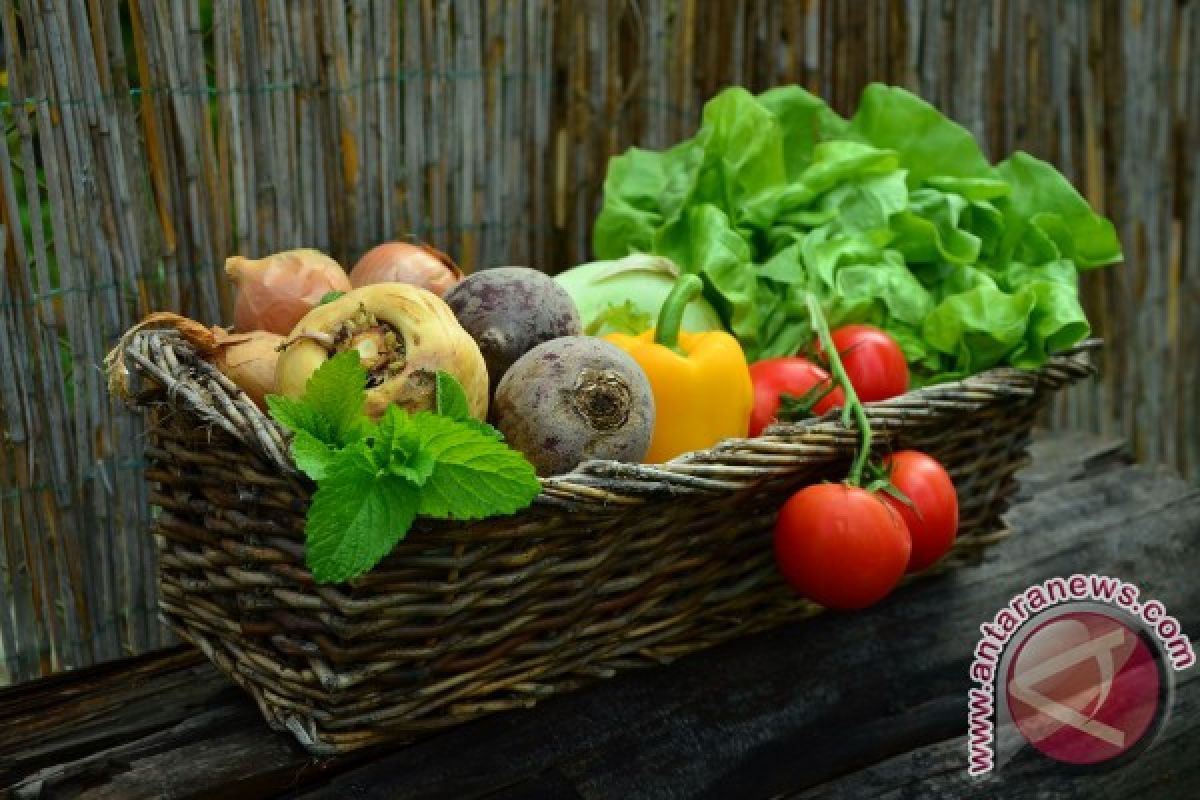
(248, 359)
(403, 335)
(276, 291)
(573, 399)
(510, 310)
(402, 262)
(626, 295)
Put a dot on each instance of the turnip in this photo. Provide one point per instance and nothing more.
(508, 311)
(626, 295)
(573, 399)
(404, 336)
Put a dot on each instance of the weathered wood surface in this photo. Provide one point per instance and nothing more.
(863, 705)
(159, 138)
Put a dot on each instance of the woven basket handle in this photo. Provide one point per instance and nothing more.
(171, 360)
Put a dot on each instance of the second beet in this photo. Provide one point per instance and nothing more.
(574, 399)
(509, 311)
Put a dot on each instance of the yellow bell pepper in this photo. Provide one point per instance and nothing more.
(701, 382)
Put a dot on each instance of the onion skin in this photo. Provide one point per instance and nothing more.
(402, 262)
(274, 293)
(431, 337)
(250, 363)
(248, 359)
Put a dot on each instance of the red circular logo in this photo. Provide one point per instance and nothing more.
(1084, 687)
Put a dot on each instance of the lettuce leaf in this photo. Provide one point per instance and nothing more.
(894, 217)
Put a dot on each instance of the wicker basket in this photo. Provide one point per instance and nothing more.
(615, 566)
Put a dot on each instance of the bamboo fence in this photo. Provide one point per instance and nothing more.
(146, 141)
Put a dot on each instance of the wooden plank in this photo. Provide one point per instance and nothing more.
(1164, 772)
(751, 718)
(757, 717)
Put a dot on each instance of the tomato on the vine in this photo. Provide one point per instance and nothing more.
(795, 377)
(873, 361)
(932, 519)
(841, 546)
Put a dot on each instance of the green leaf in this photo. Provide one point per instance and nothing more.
(633, 190)
(452, 403)
(804, 120)
(297, 415)
(329, 297)
(474, 475)
(396, 448)
(312, 455)
(927, 143)
(929, 230)
(451, 399)
(894, 218)
(356, 517)
(332, 406)
(704, 241)
(337, 390)
(1043, 200)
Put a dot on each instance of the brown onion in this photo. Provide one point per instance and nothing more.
(401, 262)
(248, 359)
(274, 293)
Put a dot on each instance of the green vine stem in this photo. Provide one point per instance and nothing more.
(853, 407)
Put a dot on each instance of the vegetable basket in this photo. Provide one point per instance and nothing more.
(615, 566)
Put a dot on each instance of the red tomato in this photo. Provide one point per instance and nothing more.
(792, 376)
(840, 546)
(933, 518)
(874, 363)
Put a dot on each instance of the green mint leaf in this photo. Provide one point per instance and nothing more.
(452, 403)
(312, 455)
(332, 406)
(483, 429)
(338, 391)
(416, 471)
(396, 447)
(297, 415)
(451, 399)
(329, 297)
(356, 517)
(474, 475)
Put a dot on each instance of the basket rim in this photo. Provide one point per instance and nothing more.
(199, 387)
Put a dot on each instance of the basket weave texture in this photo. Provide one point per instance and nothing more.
(615, 566)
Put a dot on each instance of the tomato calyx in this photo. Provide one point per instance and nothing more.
(816, 353)
(881, 481)
(797, 407)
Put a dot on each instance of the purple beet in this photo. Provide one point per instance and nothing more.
(509, 311)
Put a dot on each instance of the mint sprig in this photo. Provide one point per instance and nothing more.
(332, 406)
(452, 402)
(374, 478)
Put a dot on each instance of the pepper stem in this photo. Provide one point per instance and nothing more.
(670, 316)
(852, 407)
